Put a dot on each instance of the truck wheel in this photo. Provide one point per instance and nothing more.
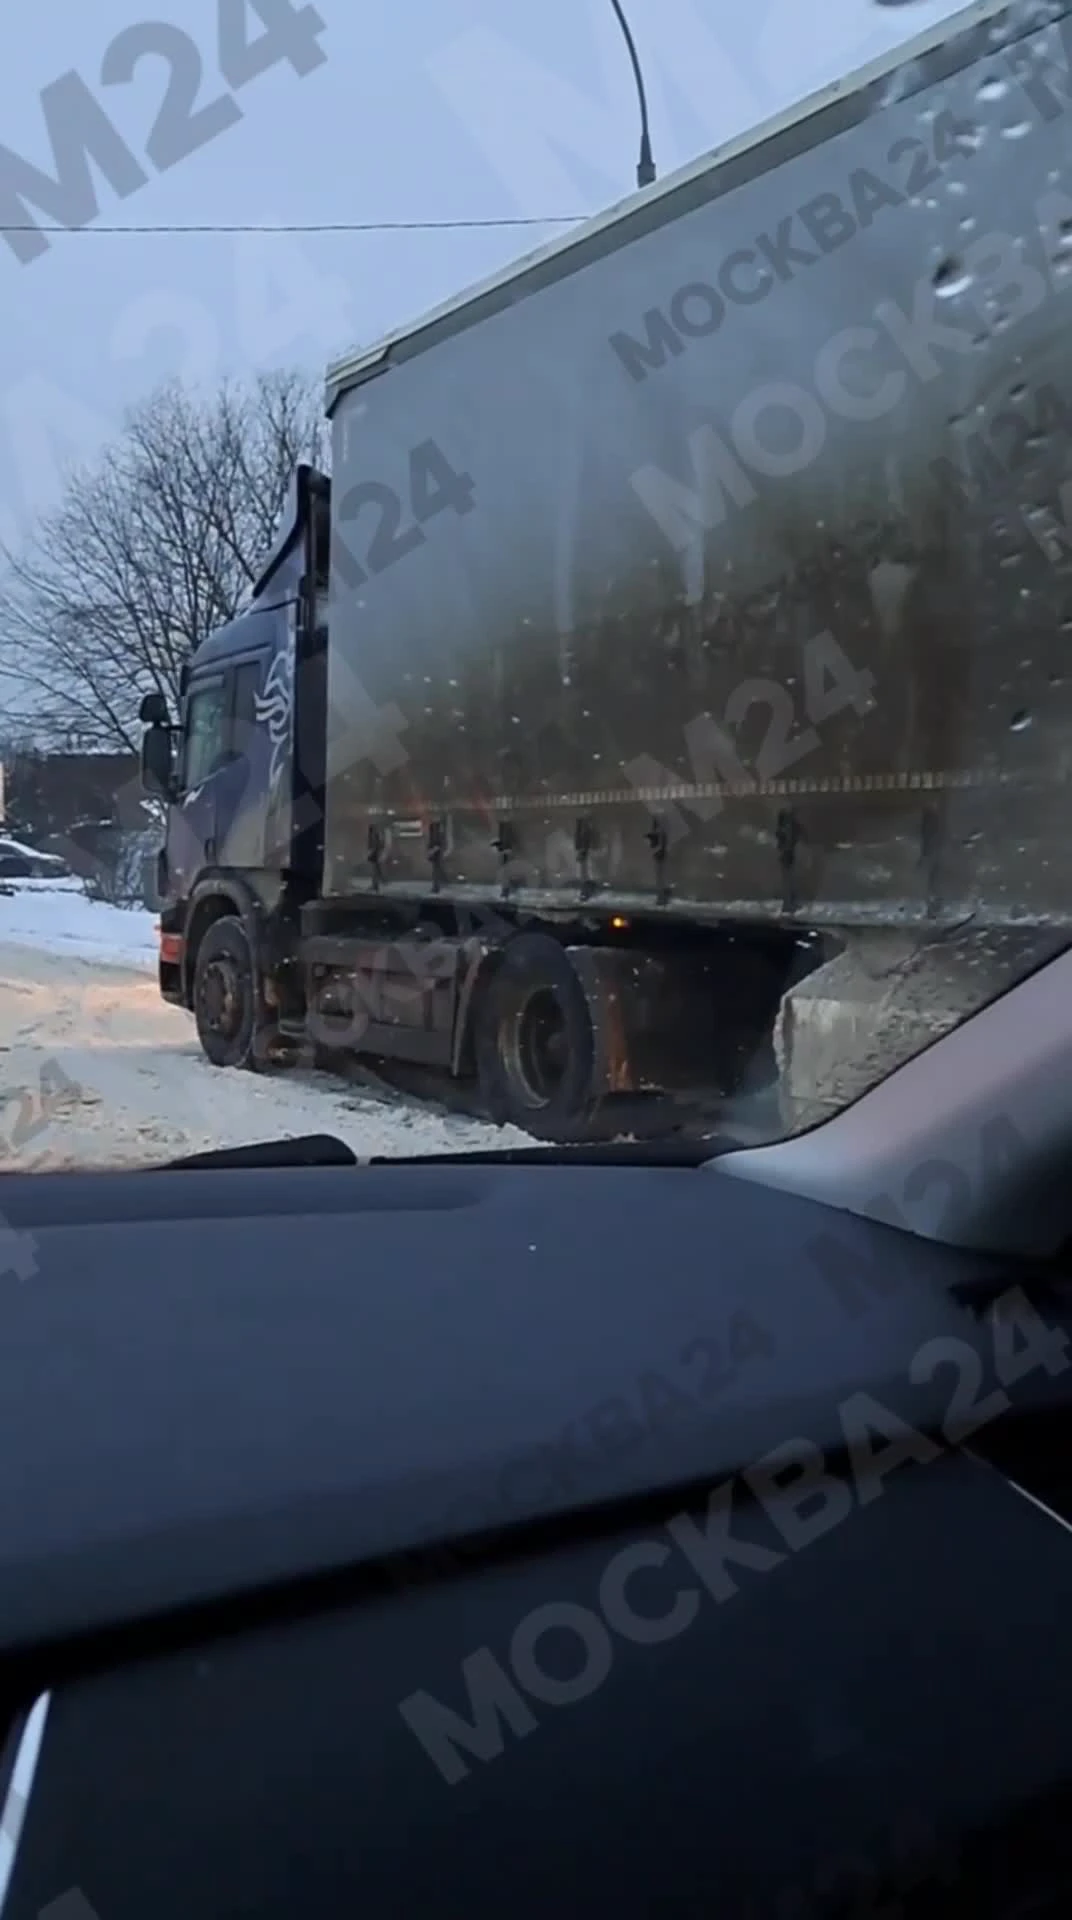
(534, 1043)
(232, 1026)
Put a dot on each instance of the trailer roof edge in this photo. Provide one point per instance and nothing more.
(363, 364)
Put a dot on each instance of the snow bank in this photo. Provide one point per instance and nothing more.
(57, 917)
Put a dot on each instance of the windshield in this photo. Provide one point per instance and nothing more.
(628, 700)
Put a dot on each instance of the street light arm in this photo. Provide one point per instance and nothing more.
(646, 166)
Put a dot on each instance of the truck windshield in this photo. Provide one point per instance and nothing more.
(654, 718)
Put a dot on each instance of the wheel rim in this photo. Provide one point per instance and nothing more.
(536, 1048)
(220, 998)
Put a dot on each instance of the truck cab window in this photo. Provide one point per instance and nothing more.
(206, 729)
(247, 685)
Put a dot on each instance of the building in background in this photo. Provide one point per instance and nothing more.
(87, 808)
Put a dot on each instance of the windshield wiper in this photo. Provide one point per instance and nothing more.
(596, 1153)
(324, 1150)
(311, 1150)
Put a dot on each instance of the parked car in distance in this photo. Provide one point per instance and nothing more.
(21, 862)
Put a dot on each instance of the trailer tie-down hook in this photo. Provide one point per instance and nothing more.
(788, 834)
(376, 843)
(659, 842)
(930, 847)
(584, 839)
(505, 845)
(437, 846)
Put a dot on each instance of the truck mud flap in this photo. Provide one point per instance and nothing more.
(675, 1022)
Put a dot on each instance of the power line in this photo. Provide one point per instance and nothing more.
(317, 226)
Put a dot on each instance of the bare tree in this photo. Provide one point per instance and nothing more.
(150, 550)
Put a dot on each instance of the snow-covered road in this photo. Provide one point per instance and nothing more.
(96, 1070)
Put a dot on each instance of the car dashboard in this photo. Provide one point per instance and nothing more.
(436, 1536)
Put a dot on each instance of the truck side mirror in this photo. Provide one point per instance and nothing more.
(157, 769)
(153, 711)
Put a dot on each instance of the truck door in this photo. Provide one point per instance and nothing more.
(241, 785)
(191, 841)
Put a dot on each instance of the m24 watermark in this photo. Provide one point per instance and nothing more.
(26, 1114)
(83, 137)
(795, 1495)
(728, 469)
(831, 686)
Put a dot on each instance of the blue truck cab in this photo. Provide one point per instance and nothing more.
(241, 772)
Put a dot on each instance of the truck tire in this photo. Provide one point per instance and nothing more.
(234, 1028)
(534, 1043)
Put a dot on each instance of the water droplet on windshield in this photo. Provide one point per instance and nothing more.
(950, 278)
(993, 87)
(1017, 130)
(1020, 721)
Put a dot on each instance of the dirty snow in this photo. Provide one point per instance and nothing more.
(97, 1070)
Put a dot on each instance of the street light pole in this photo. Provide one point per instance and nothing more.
(646, 165)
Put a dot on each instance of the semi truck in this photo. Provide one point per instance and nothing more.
(677, 662)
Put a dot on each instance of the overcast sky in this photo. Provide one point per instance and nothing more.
(421, 110)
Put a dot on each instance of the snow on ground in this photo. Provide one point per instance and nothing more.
(97, 1070)
(56, 917)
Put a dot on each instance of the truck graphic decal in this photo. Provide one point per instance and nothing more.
(275, 706)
